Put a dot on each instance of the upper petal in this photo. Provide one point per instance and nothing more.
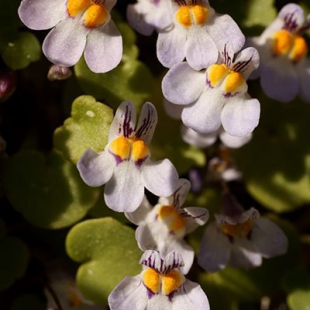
(182, 84)
(130, 294)
(95, 169)
(42, 14)
(190, 296)
(160, 177)
(64, 45)
(201, 50)
(181, 192)
(147, 123)
(171, 46)
(195, 217)
(293, 16)
(240, 116)
(125, 191)
(224, 30)
(104, 48)
(124, 121)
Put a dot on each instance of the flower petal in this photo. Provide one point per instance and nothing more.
(130, 294)
(181, 192)
(268, 239)
(292, 15)
(124, 121)
(279, 80)
(214, 250)
(64, 45)
(138, 216)
(224, 30)
(145, 236)
(246, 61)
(193, 137)
(303, 68)
(124, 192)
(190, 296)
(240, 115)
(95, 169)
(171, 46)
(160, 177)
(173, 110)
(147, 123)
(234, 142)
(104, 48)
(175, 84)
(204, 115)
(195, 217)
(201, 51)
(243, 255)
(42, 14)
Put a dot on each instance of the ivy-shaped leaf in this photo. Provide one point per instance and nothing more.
(21, 51)
(108, 252)
(49, 192)
(88, 127)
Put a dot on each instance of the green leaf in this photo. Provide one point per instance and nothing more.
(131, 80)
(108, 252)
(275, 164)
(14, 258)
(88, 127)
(49, 192)
(21, 51)
(299, 300)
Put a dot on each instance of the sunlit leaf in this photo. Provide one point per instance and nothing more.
(107, 251)
(88, 127)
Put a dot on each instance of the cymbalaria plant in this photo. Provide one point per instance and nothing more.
(149, 159)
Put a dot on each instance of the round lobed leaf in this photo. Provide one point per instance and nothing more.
(108, 252)
(49, 192)
(88, 127)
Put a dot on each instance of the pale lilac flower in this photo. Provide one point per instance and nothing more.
(160, 285)
(164, 226)
(78, 26)
(125, 165)
(57, 73)
(188, 29)
(284, 69)
(145, 16)
(240, 239)
(216, 96)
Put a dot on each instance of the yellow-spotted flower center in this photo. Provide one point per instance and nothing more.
(290, 45)
(162, 283)
(188, 15)
(231, 81)
(172, 219)
(126, 148)
(237, 230)
(94, 13)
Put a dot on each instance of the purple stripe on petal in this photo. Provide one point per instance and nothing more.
(290, 22)
(148, 122)
(126, 124)
(241, 65)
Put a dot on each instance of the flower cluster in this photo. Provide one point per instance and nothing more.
(206, 88)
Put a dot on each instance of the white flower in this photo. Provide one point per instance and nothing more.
(78, 26)
(284, 70)
(240, 239)
(125, 165)
(216, 96)
(161, 285)
(164, 226)
(147, 15)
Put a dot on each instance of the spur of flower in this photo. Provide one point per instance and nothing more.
(240, 239)
(216, 96)
(284, 69)
(160, 285)
(164, 226)
(78, 26)
(188, 29)
(125, 165)
(145, 16)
